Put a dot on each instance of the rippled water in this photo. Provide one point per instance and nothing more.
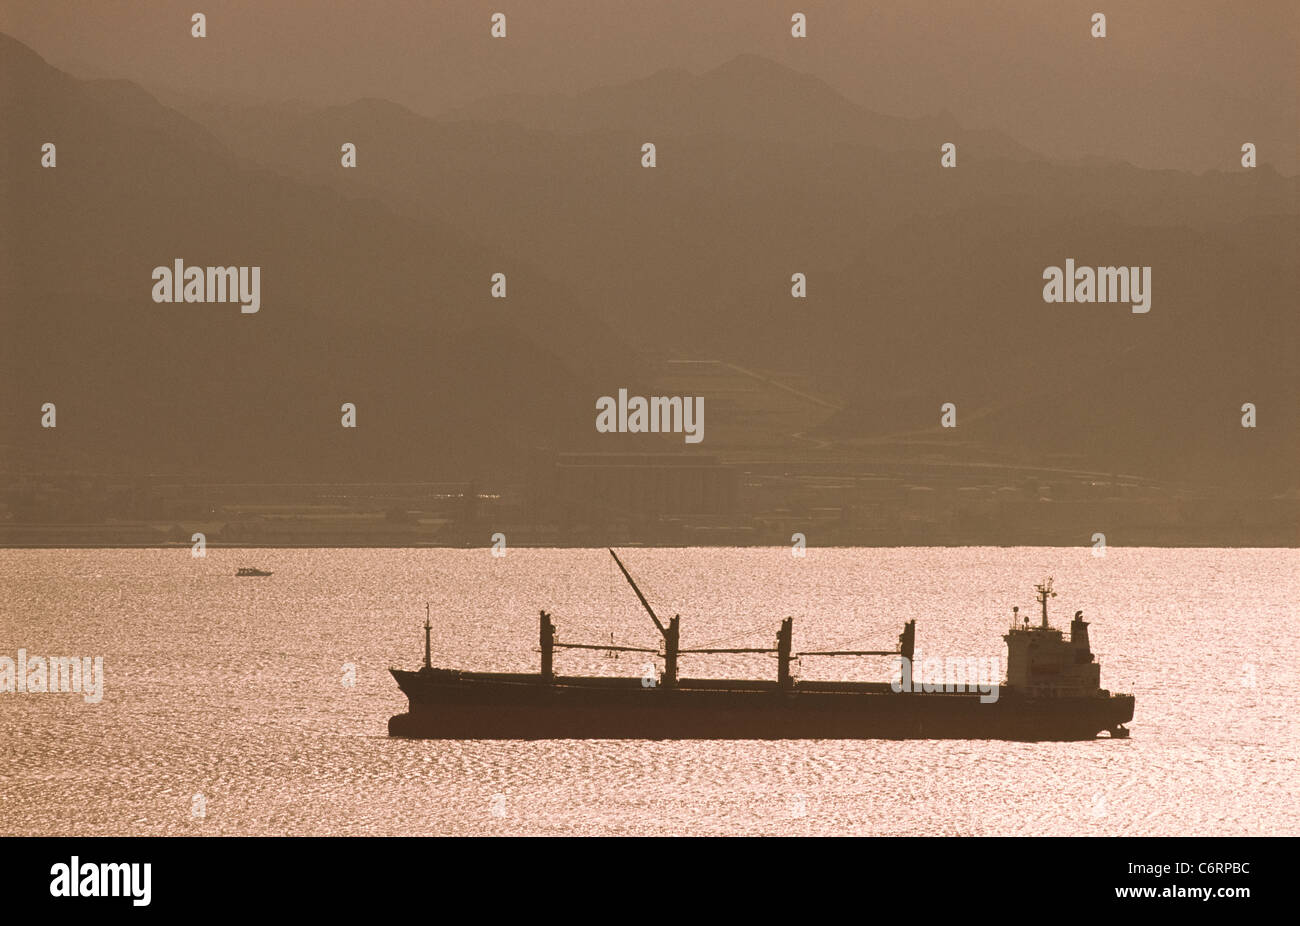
(236, 690)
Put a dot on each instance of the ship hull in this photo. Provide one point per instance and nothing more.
(460, 705)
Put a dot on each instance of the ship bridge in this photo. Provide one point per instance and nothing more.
(1044, 661)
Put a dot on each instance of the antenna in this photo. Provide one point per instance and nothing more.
(427, 663)
(1044, 590)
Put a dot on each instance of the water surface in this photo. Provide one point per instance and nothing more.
(228, 710)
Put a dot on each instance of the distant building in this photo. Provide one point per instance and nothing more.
(604, 487)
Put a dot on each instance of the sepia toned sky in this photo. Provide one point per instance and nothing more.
(1174, 84)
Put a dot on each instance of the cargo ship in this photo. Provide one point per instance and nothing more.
(1052, 691)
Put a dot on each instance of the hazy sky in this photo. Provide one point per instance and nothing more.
(1176, 83)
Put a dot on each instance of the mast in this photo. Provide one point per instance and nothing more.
(907, 641)
(672, 638)
(671, 633)
(1044, 590)
(784, 643)
(427, 663)
(547, 641)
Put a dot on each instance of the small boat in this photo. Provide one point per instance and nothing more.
(250, 571)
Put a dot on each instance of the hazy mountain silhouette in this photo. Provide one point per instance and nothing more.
(749, 97)
(358, 304)
(924, 283)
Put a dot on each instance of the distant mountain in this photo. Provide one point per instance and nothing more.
(924, 283)
(1095, 384)
(749, 97)
(359, 304)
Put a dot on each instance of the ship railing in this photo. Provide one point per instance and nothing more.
(1021, 627)
(716, 650)
(713, 650)
(607, 647)
(850, 652)
(721, 650)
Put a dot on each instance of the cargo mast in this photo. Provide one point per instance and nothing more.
(671, 633)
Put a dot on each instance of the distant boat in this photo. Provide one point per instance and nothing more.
(250, 571)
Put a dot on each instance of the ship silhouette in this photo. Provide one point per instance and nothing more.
(1052, 691)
